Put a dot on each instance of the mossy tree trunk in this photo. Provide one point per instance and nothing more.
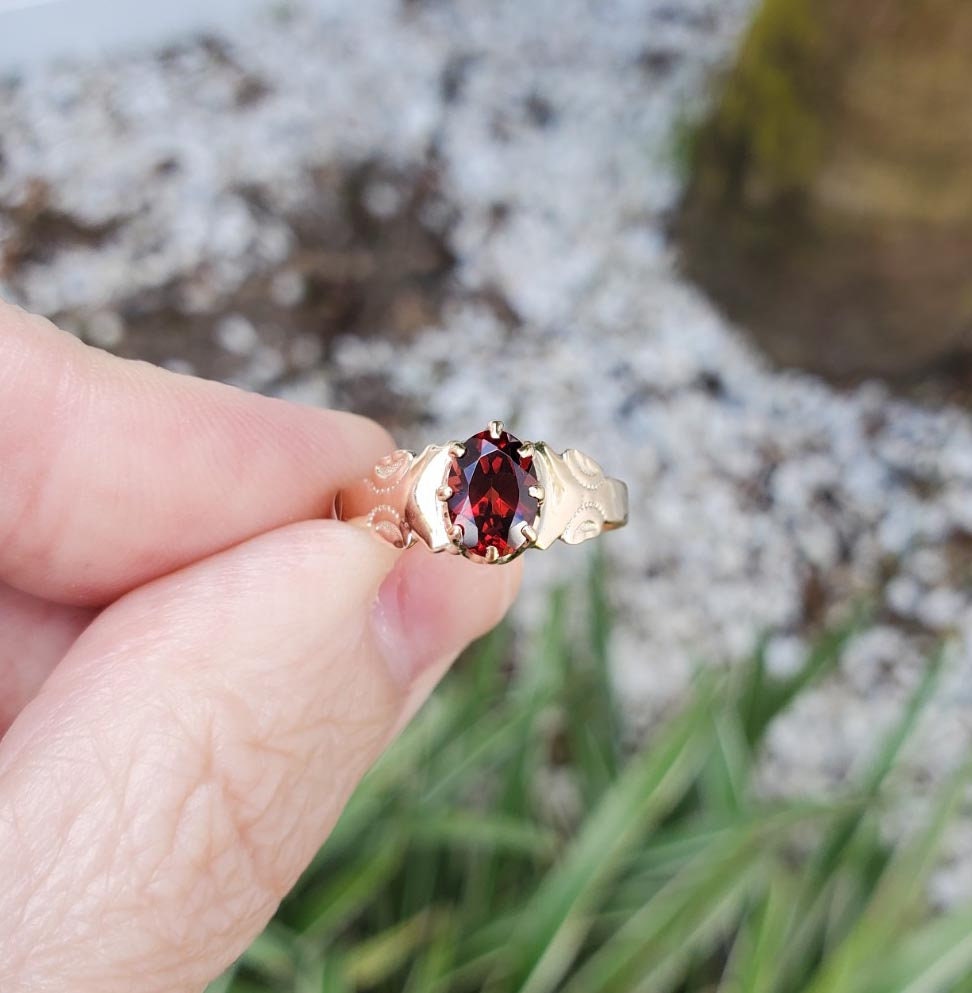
(830, 201)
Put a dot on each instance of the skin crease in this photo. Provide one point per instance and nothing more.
(34, 635)
(207, 680)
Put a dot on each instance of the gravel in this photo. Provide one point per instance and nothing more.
(764, 502)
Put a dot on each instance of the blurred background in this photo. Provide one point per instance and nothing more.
(723, 245)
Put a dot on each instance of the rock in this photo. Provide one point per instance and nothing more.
(829, 206)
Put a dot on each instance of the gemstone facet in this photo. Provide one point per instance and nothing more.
(491, 500)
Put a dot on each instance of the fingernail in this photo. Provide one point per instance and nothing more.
(429, 607)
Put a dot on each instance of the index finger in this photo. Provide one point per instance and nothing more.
(115, 472)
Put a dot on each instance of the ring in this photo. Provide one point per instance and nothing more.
(488, 498)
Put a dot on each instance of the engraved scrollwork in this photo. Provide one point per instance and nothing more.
(580, 501)
(584, 469)
(387, 523)
(391, 470)
(587, 522)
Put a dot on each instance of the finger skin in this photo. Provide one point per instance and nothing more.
(34, 635)
(116, 472)
(182, 765)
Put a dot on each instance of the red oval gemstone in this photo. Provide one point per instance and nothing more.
(491, 498)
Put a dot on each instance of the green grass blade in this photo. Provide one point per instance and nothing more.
(664, 853)
(683, 919)
(668, 851)
(322, 974)
(461, 703)
(725, 779)
(399, 766)
(883, 763)
(272, 954)
(533, 700)
(556, 918)
(469, 829)
(657, 943)
(763, 698)
(837, 851)
(594, 727)
(242, 984)
(224, 982)
(898, 893)
(492, 741)
(333, 976)
(329, 906)
(480, 950)
(432, 965)
(377, 958)
(931, 960)
(963, 985)
(755, 958)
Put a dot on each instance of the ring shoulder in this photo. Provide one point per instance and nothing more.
(425, 512)
(580, 501)
(398, 500)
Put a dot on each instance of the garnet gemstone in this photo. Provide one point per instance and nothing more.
(491, 499)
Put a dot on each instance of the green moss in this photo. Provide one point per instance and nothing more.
(767, 128)
(683, 146)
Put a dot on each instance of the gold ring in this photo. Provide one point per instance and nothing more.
(488, 498)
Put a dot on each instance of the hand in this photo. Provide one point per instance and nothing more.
(211, 667)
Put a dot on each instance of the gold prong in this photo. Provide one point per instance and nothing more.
(495, 429)
(492, 554)
(457, 449)
(444, 492)
(529, 533)
(527, 451)
(537, 492)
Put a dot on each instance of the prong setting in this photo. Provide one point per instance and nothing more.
(505, 475)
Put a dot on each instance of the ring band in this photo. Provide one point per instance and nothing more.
(488, 498)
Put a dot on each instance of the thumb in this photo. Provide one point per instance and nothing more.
(188, 757)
